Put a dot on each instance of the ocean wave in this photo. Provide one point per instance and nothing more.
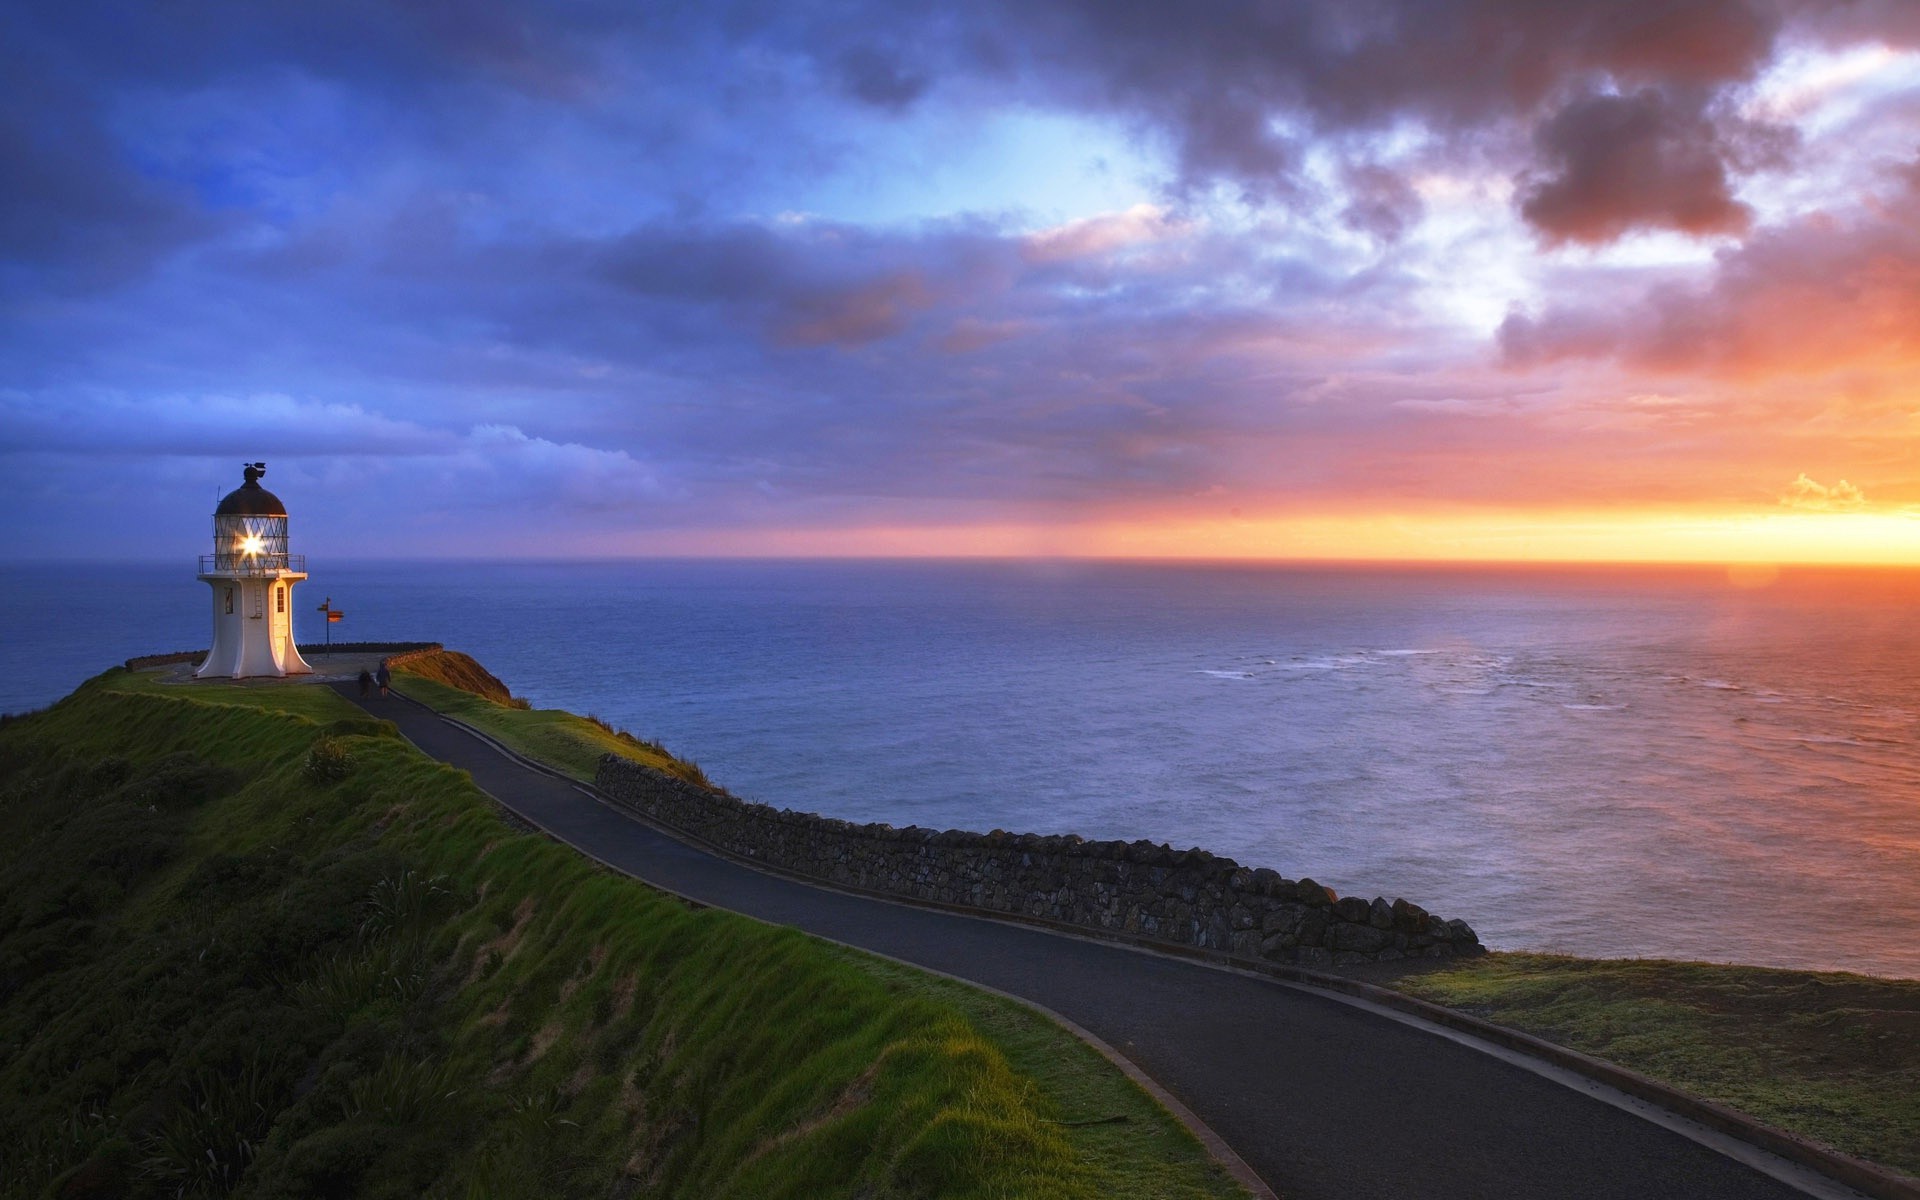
(1333, 662)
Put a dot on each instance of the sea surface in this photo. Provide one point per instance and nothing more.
(1643, 762)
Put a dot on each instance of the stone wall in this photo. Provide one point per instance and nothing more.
(399, 652)
(1183, 897)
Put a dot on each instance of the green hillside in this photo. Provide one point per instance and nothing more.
(253, 944)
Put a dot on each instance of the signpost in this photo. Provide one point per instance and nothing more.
(333, 616)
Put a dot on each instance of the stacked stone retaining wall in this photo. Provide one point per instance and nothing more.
(1183, 897)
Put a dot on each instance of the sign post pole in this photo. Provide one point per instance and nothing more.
(333, 615)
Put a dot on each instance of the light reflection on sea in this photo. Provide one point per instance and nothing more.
(1601, 761)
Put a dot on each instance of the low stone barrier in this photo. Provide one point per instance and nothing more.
(1184, 897)
(399, 652)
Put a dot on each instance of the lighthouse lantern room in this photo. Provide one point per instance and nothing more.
(252, 577)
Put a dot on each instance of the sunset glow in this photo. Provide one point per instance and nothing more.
(1883, 539)
(1584, 281)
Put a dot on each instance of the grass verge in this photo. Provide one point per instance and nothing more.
(1832, 1056)
(447, 683)
(253, 944)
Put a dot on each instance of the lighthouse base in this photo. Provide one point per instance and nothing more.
(252, 627)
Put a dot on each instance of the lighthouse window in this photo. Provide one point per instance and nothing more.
(280, 599)
(229, 601)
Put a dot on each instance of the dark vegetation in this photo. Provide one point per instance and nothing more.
(253, 944)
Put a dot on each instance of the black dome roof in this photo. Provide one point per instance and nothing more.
(250, 499)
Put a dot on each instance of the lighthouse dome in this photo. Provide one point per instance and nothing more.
(250, 499)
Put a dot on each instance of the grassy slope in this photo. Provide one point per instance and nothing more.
(367, 984)
(1110, 1121)
(453, 669)
(561, 739)
(1835, 1057)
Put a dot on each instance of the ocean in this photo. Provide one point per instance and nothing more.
(1659, 762)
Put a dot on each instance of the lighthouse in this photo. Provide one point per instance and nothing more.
(252, 577)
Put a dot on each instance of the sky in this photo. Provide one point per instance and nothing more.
(1479, 279)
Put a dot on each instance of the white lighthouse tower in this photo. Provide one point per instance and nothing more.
(252, 576)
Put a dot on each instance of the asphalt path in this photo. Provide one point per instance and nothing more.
(1325, 1100)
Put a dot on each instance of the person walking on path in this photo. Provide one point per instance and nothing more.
(384, 677)
(366, 683)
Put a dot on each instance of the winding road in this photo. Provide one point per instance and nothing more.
(1324, 1098)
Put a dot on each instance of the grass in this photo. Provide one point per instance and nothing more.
(456, 670)
(1833, 1056)
(313, 703)
(1131, 1144)
(224, 972)
(564, 740)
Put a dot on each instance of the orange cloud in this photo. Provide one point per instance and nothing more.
(1807, 495)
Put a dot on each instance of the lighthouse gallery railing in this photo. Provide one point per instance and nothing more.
(252, 564)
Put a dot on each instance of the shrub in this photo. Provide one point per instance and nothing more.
(405, 902)
(402, 1091)
(344, 982)
(207, 1141)
(328, 760)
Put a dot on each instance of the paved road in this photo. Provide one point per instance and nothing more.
(1324, 1100)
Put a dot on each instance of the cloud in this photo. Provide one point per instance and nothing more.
(1237, 95)
(880, 79)
(500, 467)
(802, 283)
(970, 334)
(1380, 202)
(207, 425)
(852, 315)
(521, 268)
(1620, 163)
(1805, 494)
(1103, 234)
(74, 211)
(1815, 295)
